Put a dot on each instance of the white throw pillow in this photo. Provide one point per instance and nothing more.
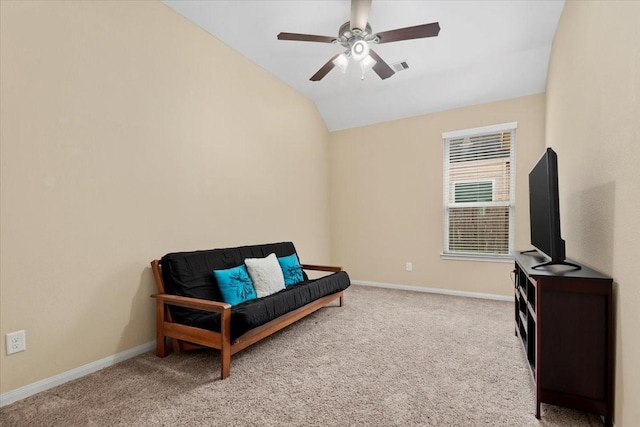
(265, 274)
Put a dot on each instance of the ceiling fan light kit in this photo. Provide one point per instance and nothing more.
(360, 50)
(356, 35)
(366, 64)
(342, 61)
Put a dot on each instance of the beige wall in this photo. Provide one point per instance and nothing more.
(387, 201)
(593, 122)
(126, 133)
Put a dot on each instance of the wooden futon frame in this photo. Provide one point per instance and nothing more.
(188, 337)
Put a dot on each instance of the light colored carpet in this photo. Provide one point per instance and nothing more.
(388, 358)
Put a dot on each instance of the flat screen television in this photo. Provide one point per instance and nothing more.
(544, 211)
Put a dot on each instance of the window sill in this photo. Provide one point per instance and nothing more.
(481, 258)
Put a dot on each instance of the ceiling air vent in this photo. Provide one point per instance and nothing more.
(400, 66)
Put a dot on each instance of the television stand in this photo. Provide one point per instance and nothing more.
(550, 263)
(528, 251)
(565, 322)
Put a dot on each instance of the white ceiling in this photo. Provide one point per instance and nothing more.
(486, 51)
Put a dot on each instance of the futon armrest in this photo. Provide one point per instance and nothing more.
(199, 304)
(321, 267)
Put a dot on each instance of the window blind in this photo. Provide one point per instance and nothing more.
(479, 196)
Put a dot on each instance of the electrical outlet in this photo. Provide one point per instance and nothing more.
(408, 266)
(16, 341)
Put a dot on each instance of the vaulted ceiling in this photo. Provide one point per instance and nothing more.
(486, 51)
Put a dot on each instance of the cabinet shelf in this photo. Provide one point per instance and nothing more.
(532, 311)
(523, 294)
(523, 321)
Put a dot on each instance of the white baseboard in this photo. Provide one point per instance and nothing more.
(42, 385)
(434, 290)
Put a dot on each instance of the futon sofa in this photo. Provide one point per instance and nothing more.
(190, 305)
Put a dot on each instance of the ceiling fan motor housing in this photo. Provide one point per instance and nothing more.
(348, 37)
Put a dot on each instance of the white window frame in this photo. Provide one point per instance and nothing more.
(446, 137)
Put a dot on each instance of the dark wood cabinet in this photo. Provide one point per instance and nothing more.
(564, 318)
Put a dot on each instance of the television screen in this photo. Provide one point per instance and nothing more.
(544, 208)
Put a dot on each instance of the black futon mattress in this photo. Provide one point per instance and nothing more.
(190, 274)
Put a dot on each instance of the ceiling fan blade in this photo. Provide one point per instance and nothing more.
(306, 38)
(324, 70)
(381, 68)
(408, 33)
(360, 14)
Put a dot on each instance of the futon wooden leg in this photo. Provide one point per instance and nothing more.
(225, 350)
(226, 363)
(161, 350)
(342, 299)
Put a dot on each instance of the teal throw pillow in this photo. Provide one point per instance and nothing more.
(291, 269)
(235, 285)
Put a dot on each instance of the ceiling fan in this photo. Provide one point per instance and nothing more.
(356, 35)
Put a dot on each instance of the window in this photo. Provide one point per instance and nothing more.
(479, 192)
(473, 191)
